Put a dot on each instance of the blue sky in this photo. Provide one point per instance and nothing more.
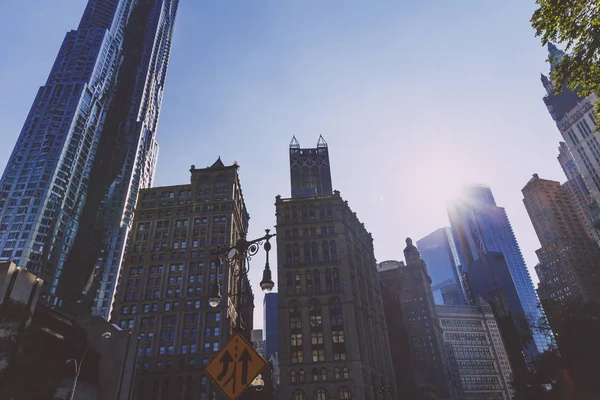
(413, 97)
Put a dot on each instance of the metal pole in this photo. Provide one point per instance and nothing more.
(78, 370)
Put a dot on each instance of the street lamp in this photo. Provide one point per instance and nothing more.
(105, 335)
(243, 251)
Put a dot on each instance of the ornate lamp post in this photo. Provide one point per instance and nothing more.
(242, 252)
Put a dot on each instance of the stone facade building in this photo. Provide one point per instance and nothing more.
(481, 357)
(569, 259)
(166, 282)
(430, 357)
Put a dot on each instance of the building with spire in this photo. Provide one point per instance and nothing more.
(87, 147)
(309, 169)
(496, 270)
(333, 341)
(569, 265)
(574, 117)
(429, 356)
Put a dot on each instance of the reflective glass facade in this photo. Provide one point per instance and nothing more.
(486, 242)
(440, 255)
(270, 324)
(87, 146)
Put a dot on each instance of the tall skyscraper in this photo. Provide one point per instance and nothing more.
(569, 259)
(87, 146)
(495, 267)
(574, 117)
(309, 170)
(428, 355)
(481, 357)
(332, 332)
(441, 257)
(167, 278)
(270, 324)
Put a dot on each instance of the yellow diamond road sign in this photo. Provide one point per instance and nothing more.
(235, 366)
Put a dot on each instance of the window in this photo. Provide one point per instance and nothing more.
(299, 394)
(337, 286)
(316, 338)
(289, 282)
(293, 376)
(297, 357)
(296, 339)
(317, 276)
(323, 374)
(315, 252)
(321, 394)
(336, 373)
(346, 373)
(301, 376)
(337, 336)
(344, 394)
(318, 355)
(309, 281)
(328, 284)
(297, 283)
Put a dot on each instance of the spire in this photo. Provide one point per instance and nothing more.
(218, 164)
(411, 253)
(555, 54)
(321, 142)
(547, 84)
(294, 143)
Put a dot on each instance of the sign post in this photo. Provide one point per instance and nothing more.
(235, 367)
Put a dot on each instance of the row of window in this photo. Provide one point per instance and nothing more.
(320, 375)
(312, 280)
(323, 231)
(343, 393)
(312, 252)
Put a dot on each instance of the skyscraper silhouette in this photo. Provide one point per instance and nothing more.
(87, 146)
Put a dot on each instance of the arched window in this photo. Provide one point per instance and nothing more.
(337, 285)
(323, 374)
(333, 248)
(315, 252)
(346, 373)
(326, 257)
(336, 374)
(293, 376)
(321, 394)
(344, 393)
(309, 281)
(288, 253)
(317, 276)
(289, 277)
(328, 283)
(306, 253)
(301, 376)
(299, 394)
(297, 283)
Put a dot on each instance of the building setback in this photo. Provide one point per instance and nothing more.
(170, 268)
(481, 357)
(87, 146)
(492, 260)
(569, 259)
(310, 170)
(429, 356)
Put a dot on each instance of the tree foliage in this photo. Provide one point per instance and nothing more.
(575, 24)
(575, 364)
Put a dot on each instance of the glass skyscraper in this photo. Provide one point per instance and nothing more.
(493, 262)
(270, 324)
(87, 146)
(441, 257)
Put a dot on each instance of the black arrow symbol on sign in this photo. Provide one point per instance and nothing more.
(225, 360)
(245, 359)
